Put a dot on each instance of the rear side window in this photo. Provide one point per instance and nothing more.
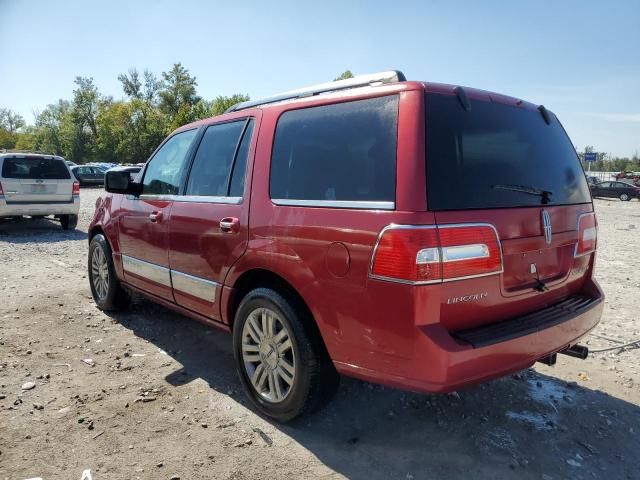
(35, 168)
(496, 155)
(220, 162)
(341, 152)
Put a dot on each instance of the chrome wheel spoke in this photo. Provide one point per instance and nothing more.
(284, 346)
(257, 331)
(100, 273)
(251, 357)
(284, 375)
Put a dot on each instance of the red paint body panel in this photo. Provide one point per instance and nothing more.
(141, 238)
(392, 333)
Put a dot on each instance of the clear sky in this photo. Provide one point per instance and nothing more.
(579, 58)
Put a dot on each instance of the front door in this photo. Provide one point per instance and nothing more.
(143, 219)
(208, 228)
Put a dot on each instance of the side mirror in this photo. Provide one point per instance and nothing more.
(116, 181)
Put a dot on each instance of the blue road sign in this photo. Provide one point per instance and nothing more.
(590, 157)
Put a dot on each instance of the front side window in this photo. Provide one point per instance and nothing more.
(165, 169)
(340, 152)
(219, 159)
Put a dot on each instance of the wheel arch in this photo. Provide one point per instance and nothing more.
(262, 277)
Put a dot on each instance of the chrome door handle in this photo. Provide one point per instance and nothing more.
(155, 216)
(230, 225)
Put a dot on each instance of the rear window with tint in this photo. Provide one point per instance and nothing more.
(35, 168)
(343, 152)
(480, 158)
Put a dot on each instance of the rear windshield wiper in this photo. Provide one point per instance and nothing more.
(545, 194)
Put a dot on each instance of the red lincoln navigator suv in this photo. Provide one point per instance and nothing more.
(418, 235)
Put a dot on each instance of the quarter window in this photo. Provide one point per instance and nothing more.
(219, 165)
(164, 172)
(341, 152)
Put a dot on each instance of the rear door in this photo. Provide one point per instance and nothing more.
(500, 163)
(143, 219)
(208, 228)
(36, 179)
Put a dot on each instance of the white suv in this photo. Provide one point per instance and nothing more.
(38, 185)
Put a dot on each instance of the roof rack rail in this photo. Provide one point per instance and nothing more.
(389, 76)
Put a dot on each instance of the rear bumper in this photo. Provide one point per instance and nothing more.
(442, 363)
(20, 209)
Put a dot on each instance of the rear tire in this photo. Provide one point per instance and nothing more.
(106, 289)
(69, 222)
(280, 358)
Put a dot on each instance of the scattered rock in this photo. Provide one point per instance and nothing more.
(28, 386)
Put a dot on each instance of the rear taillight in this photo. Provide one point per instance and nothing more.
(587, 234)
(433, 254)
(1, 191)
(76, 188)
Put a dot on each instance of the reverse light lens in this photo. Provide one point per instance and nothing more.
(587, 235)
(433, 254)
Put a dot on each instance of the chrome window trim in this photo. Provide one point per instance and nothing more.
(194, 286)
(192, 198)
(393, 226)
(148, 270)
(354, 204)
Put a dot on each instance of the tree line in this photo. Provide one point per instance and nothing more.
(94, 127)
(608, 163)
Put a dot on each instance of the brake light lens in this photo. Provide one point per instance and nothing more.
(414, 254)
(1, 191)
(76, 188)
(587, 234)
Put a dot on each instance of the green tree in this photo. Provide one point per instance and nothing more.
(48, 128)
(178, 95)
(7, 139)
(134, 87)
(344, 75)
(10, 120)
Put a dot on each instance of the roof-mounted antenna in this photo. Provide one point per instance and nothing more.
(390, 76)
(545, 114)
(462, 96)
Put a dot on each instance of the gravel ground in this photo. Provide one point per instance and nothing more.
(152, 395)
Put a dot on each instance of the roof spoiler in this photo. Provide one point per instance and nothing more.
(389, 76)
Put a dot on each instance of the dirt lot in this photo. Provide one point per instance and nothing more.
(152, 395)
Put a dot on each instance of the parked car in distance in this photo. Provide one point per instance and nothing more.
(38, 185)
(88, 175)
(133, 170)
(591, 180)
(622, 190)
(316, 226)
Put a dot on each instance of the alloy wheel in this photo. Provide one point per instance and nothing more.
(100, 272)
(268, 355)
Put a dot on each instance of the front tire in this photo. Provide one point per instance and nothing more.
(105, 287)
(280, 358)
(624, 197)
(69, 222)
